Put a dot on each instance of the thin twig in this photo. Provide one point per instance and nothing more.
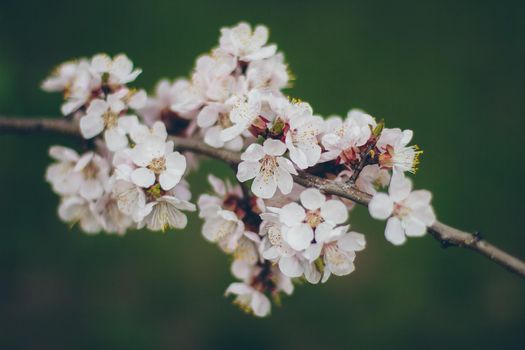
(446, 235)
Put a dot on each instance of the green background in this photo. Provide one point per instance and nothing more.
(453, 71)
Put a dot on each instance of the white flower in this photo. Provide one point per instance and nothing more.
(271, 73)
(225, 228)
(408, 212)
(244, 113)
(61, 174)
(63, 76)
(241, 42)
(342, 138)
(274, 248)
(165, 212)
(131, 199)
(156, 160)
(113, 220)
(214, 118)
(249, 299)
(77, 209)
(315, 215)
(395, 154)
(268, 167)
(104, 115)
(94, 175)
(301, 139)
(119, 69)
(372, 178)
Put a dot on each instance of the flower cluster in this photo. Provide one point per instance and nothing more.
(277, 232)
(132, 176)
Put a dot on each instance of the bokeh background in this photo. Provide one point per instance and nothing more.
(453, 71)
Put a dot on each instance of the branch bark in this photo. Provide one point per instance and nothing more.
(446, 235)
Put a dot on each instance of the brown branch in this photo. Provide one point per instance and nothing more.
(446, 235)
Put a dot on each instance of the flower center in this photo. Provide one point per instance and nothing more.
(313, 218)
(157, 165)
(401, 211)
(224, 120)
(268, 166)
(110, 119)
(90, 171)
(274, 235)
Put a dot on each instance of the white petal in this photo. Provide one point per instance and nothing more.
(116, 139)
(300, 236)
(290, 266)
(169, 178)
(247, 170)
(274, 147)
(177, 161)
(91, 125)
(312, 198)
(292, 214)
(143, 177)
(334, 211)
(263, 187)
(208, 116)
(400, 187)
(381, 206)
(414, 227)
(284, 181)
(394, 232)
(253, 153)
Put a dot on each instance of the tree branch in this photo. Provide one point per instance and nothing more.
(446, 235)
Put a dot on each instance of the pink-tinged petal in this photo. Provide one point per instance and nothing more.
(292, 214)
(247, 170)
(394, 231)
(91, 125)
(274, 147)
(400, 187)
(290, 266)
(334, 211)
(381, 206)
(143, 177)
(312, 198)
(263, 187)
(300, 236)
(253, 153)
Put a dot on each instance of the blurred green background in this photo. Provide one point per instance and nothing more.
(453, 71)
